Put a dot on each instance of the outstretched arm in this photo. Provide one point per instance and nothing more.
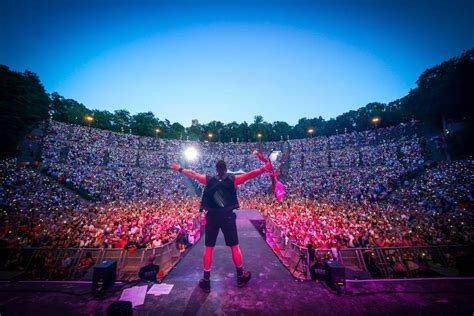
(190, 173)
(241, 178)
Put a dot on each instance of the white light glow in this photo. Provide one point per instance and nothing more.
(191, 153)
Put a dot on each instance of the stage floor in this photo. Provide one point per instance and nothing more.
(272, 290)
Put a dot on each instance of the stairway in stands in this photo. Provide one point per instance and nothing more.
(432, 152)
(191, 185)
(30, 147)
(30, 150)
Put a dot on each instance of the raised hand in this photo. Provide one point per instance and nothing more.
(175, 166)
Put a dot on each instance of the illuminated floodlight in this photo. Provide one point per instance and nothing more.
(375, 119)
(190, 153)
(88, 118)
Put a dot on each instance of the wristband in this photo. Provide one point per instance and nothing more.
(180, 170)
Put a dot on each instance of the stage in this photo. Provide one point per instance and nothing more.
(272, 290)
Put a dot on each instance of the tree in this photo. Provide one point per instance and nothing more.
(75, 111)
(58, 108)
(67, 110)
(195, 132)
(364, 115)
(102, 119)
(259, 127)
(243, 132)
(121, 120)
(176, 131)
(300, 130)
(280, 130)
(144, 124)
(230, 132)
(215, 128)
(443, 93)
(23, 104)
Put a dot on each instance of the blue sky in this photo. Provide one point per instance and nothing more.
(232, 60)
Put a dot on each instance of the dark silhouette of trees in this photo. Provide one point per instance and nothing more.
(23, 103)
(444, 93)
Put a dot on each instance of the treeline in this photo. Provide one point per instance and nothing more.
(23, 103)
(443, 93)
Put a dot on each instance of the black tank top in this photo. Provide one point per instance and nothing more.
(220, 194)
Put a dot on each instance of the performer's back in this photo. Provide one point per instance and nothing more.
(220, 194)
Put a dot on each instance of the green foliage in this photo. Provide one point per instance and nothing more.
(195, 132)
(75, 111)
(120, 121)
(144, 124)
(215, 128)
(319, 126)
(230, 132)
(176, 131)
(67, 110)
(102, 119)
(280, 130)
(259, 126)
(58, 107)
(444, 91)
(23, 103)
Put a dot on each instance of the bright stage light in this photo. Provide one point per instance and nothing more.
(375, 119)
(191, 153)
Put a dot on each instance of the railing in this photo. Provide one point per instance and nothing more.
(390, 262)
(294, 257)
(64, 263)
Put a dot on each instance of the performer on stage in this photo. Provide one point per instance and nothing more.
(220, 200)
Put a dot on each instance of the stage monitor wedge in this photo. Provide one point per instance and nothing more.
(105, 274)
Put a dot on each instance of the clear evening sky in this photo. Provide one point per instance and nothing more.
(230, 61)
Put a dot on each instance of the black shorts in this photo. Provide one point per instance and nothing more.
(225, 222)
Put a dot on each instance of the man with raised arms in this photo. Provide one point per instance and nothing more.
(219, 199)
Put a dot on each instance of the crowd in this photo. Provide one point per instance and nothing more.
(345, 190)
(24, 191)
(36, 211)
(446, 188)
(337, 223)
(120, 183)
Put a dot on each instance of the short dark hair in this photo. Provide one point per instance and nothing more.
(221, 167)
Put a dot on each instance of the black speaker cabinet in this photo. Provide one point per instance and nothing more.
(335, 274)
(120, 308)
(105, 274)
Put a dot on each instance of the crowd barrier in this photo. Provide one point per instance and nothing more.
(389, 262)
(63, 263)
